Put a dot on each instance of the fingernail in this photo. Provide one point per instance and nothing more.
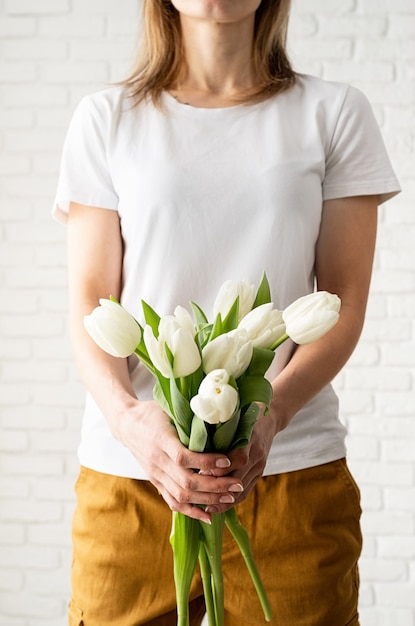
(207, 521)
(211, 509)
(222, 463)
(227, 499)
(236, 488)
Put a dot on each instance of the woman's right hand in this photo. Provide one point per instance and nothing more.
(145, 429)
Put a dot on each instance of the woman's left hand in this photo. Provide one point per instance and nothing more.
(248, 463)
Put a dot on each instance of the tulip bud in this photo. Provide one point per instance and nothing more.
(216, 401)
(264, 325)
(177, 332)
(312, 316)
(113, 329)
(157, 352)
(231, 351)
(184, 319)
(227, 295)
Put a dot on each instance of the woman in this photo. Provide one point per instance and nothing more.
(216, 161)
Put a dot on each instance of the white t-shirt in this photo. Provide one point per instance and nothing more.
(206, 195)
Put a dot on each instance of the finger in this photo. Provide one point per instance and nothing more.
(194, 505)
(188, 487)
(194, 512)
(184, 457)
(249, 479)
(239, 459)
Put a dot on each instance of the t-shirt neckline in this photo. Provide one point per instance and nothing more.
(175, 105)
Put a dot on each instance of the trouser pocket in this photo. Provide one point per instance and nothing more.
(75, 615)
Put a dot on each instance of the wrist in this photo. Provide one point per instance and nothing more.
(279, 413)
(121, 415)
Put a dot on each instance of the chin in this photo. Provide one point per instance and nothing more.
(217, 10)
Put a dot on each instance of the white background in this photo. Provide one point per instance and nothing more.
(51, 53)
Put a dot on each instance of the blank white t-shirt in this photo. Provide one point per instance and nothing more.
(206, 195)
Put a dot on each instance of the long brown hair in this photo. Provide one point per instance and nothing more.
(161, 56)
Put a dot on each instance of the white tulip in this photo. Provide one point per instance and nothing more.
(157, 352)
(231, 351)
(113, 329)
(216, 401)
(227, 295)
(264, 325)
(177, 332)
(183, 319)
(312, 316)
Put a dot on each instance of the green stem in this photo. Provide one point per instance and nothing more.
(242, 539)
(184, 386)
(206, 574)
(279, 342)
(185, 541)
(212, 537)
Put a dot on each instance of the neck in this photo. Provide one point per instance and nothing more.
(218, 58)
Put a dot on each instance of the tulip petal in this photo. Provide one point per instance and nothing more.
(231, 351)
(186, 355)
(216, 400)
(113, 329)
(310, 317)
(227, 295)
(264, 325)
(157, 352)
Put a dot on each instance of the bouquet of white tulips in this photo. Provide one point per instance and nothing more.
(210, 380)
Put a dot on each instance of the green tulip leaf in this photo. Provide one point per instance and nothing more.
(183, 436)
(182, 413)
(217, 328)
(194, 381)
(264, 293)
(225, 433)
(142, 353)
(152, 318)
(198, 435)
(260, 362)
(246, 424)
(255, 389)
(203, 335)
(232, 317)
(199, 316)
(161, 394)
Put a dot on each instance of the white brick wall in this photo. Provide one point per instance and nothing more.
(51, 53)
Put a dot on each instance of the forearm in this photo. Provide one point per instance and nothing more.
(314, 366)
(94, 272)
(105, 377)
(344, 256)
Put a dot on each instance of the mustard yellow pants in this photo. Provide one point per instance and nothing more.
(305, 533)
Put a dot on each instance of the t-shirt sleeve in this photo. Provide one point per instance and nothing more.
(357, 162)
(84, 175)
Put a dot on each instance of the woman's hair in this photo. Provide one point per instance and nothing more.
(161, 58)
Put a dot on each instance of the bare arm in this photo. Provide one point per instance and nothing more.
(344, 258)
(95, 268)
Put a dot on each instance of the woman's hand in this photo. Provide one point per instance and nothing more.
(183, 478)
(248, 463)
